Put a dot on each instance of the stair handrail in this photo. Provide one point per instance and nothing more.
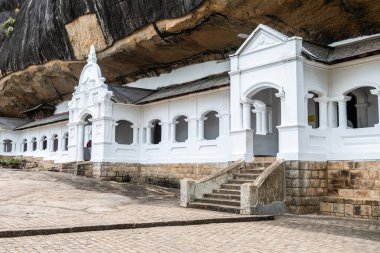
(250, 193)
(230, 168)
(192, 189)
(267, 171)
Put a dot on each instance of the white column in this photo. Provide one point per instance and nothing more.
(259, 121)
(201, 128)
(193, 129)
(114, 125)
(149, 135)
(247, 115)
(281, 95)
(219, 117)
(135, 134)
(224, 124)
(165, 135)
(141, 135)
(80, 142)
(342, 107)
(377, 93)
(51, 142)
(172, 131)
(30, 146)
(270, 119)
(331, 114)
(362, 119)
(322, 101)
(307, 96)
(264, 121)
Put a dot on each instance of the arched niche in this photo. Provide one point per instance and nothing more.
(181, 128)
(124, 132)
(211, 125)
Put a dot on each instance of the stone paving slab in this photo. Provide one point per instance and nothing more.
(48, 200)
(309, 234)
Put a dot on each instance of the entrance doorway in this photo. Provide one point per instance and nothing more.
(87, 145)
(265, 117)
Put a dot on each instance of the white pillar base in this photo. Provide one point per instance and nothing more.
(242, 145)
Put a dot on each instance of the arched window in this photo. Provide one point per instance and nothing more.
(312, 110)
(65, 142)
(124, 132)
(55, 143)
(362, 108)
(7, 144)
(44, 142)
(156, 132)
(34, 144)
(211, 126)
(181, 129)
(24, 145)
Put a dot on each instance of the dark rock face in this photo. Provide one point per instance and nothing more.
(40, 34)
(42, 60)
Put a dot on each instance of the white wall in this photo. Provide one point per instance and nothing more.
(194, 149)
(183, 75)
(38, 132)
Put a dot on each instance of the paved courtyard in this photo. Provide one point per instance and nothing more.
(49, 200)
(286, 234)
(31, 200)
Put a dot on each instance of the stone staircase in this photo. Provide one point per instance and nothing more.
(227, 197)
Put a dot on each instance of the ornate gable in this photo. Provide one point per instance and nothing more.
(91, 76)
(91, 88)
(262, 37)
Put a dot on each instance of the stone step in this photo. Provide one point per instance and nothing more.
(251, 171)
(214, 207)
(265, 159)
(228, 191)
(223, 202)
(223, 196)
(240, 181)
(257, 165)
(231, 186)
(246, 176)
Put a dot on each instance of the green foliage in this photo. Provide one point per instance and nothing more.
(9, 161)
(8, 26)
(9, 31)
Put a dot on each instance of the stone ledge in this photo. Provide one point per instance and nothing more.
(354, 201)
(50, 231)
(349, 207)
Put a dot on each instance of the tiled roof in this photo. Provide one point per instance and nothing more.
(11, 123)
(332, 55)
(41, 106)
(204, 84)
(316, 52)
(49, 120)
(128, 95)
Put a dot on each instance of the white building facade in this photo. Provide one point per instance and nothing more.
(276, 96)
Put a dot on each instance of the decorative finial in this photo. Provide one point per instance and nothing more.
(92, 55)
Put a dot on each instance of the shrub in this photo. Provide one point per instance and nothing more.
(9, 161)
(8, 26)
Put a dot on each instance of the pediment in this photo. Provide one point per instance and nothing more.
(261, 38)
(91, 76)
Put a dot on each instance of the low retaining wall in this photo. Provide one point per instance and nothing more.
(306, 183)
(340, 188)
(160, 174)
